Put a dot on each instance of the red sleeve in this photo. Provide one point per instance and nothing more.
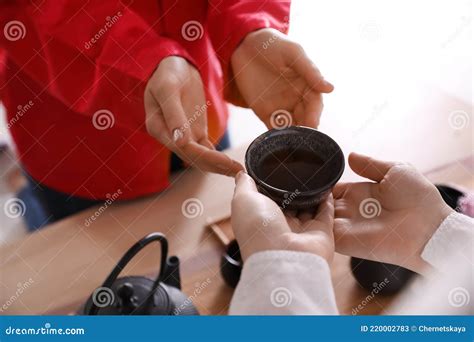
(229, 21)
(3, 61)
(72, 55)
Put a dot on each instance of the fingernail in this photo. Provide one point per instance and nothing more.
(238, 176)
(177, 134)
(356, 154)
(328, 84)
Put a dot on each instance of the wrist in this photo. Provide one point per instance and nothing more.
(433, 222)
(427, 229)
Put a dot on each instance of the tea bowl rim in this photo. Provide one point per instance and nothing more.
(308, 131)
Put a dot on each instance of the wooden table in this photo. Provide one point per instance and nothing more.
(68, 260)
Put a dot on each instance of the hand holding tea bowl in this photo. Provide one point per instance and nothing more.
(260, 225)
(296, 167)
(390, 217)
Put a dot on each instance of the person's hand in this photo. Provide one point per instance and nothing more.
(390, 220)
(278, 81)
(176, 115)
(260, 225)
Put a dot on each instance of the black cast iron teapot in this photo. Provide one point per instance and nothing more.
(136, 295)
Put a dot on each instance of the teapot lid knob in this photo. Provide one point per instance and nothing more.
(127, 299)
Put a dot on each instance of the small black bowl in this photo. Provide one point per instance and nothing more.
(386, 278)
(368, 272)
(231, 264)
(296, 167)
(450, 195)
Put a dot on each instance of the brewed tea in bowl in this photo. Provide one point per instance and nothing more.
(296, 167)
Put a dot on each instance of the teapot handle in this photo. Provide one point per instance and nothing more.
(137, 247)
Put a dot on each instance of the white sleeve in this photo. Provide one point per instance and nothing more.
(284, 283)
(454, 237)
(449, 289)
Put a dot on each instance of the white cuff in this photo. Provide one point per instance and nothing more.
(284, 283)
(454, 237)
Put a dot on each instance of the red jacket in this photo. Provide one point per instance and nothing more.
(74, 73)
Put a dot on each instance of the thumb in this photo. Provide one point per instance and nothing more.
(244, 184)
(325, 213)
(368, 167)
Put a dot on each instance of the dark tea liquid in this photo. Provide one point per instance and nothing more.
(292, 170)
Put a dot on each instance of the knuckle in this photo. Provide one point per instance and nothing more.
(239, 197)
(297, 48)
(291, 240)
(168, 85)
(403, 167)
(151, 130)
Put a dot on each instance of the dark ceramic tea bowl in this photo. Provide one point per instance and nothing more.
(386, 278)
(296, 167)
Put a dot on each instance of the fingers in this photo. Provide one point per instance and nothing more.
(176, 111)
(155, 124)
(322, 220)
(308, 111)
(300, 62)
(175, 118)
(345, 209)
(343, 238)
(206, 159)
(339, 190)
(244, 184)
(201, 155)
(206, 142)
(368, 167)
(166, 118)
(325, 213)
